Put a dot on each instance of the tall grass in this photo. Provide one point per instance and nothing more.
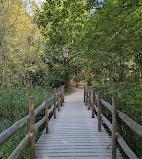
(14, 106)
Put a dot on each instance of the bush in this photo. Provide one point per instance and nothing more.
(129, 101)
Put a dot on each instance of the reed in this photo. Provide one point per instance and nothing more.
(14, 106)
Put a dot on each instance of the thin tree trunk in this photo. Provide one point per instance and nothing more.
(121, 74)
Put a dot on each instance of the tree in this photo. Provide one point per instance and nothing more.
(21, 43)
(111, 39)
(61, 23)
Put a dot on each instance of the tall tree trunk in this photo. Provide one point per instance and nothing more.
(121, 74)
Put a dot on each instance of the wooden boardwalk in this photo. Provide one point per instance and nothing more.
(74, 134)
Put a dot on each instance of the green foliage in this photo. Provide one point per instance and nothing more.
(20, 45)
(128, 101)
(61, 23)
(103, 42)
(110, 42)
(13, 107)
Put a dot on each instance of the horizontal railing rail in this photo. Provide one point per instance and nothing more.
(90, 96)
(58, 99)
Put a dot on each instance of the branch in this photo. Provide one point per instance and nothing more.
(137, 5)
(69, 60)
(14, 20)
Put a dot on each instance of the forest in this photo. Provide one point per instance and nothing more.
(103, 41)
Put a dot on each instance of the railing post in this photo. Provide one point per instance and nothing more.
(114, 126)
(58, 99)
(54, 103)
(46, 112)
(89, 99)
(99, 111)
(32, 127)
(93, 103)
(63, 93)
(84, 93)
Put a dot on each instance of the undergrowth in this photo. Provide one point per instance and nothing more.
(13, 107)
(128, 101)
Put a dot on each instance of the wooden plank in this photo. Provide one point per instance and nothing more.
(86, 95)
(15, 154)
(63, 93)
(46, 112)
(74, 133)
(84, 92)
(114, 127)
(5, 135)
(58, 99)
(32, 127)
(74, 157)
(55, 103)
(130, 122)
(99, 110)
(93, 103)
(89, 99)
(121, 141)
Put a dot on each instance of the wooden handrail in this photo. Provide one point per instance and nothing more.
(120, 140)
(23, 143)
(4, 136)
(130, 122)
(114, 127)
(99, 110)
(32, 127)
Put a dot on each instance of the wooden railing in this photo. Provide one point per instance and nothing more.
(4, 136)
(90, 96)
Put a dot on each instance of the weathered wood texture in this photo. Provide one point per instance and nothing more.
(114, 127)
(59, 99)
(74, 134)
(86, 95)
(46, 112)
(93, 103)
(89, 99)
(20, 147)
(23, 143)
(63, 93)
(84, 92)
(4, 136)
(55, 103)
(120, 140)
(99, 110)
(32, 127)
(130, 122)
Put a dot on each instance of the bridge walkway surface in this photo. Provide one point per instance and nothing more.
(74, 133)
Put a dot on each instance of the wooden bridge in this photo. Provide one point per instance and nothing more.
(75, 129)
(74, 134)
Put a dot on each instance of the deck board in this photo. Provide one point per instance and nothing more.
(74, 134)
